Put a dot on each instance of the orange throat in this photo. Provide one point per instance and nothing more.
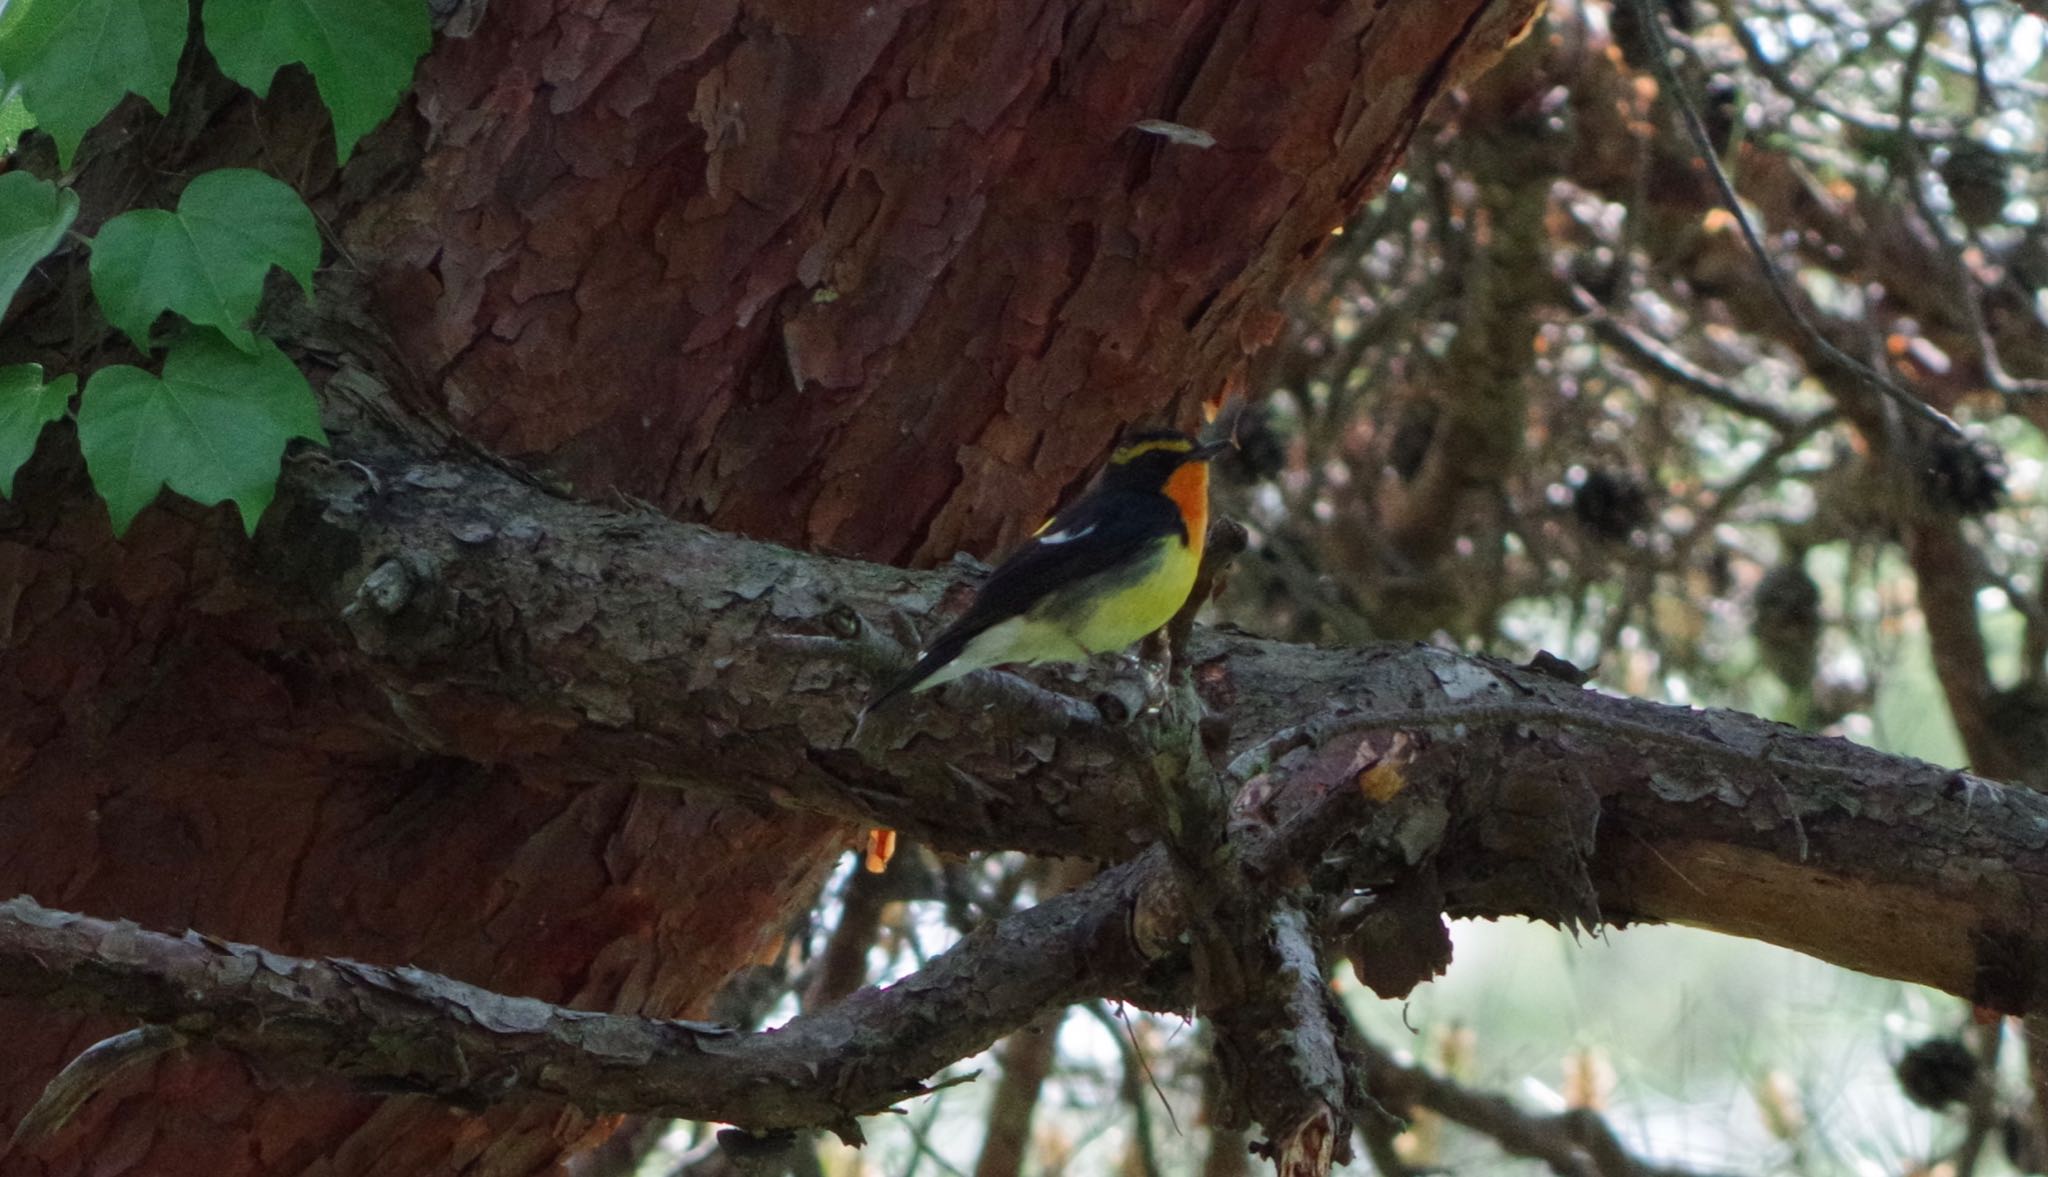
(1189, 489)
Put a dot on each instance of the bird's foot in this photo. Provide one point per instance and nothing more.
(1152, 680)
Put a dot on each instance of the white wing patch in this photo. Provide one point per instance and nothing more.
(1063, 536)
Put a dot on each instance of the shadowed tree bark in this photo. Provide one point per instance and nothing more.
(879, 279)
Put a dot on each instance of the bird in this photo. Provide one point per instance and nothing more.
(1112, 567)
(1097, 576)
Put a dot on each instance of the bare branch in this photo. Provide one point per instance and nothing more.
(1576, 1143)
(405, 1030)
(1527, 796)
(1781, 79)
(1675, 368)
(1285, 1031)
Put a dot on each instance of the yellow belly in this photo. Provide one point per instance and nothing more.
(1118, 611)
(1103, 614)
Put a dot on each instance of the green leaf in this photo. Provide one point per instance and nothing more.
(26, 405)
(360, 52)
(33, 216)
(213, 428)
(74, 59)
(207, 260)
(14, 119)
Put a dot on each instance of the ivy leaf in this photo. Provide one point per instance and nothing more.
(212, 428)
(207, 260)
(33, 216)
(26, 405)
(360, 52)
(14, 119)
(74, 59)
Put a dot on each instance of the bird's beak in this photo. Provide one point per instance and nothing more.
(1203, 453)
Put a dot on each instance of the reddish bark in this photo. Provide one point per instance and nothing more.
(176, 757)
(881, 279)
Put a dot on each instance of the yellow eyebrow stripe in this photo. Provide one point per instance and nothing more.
(1131, 453)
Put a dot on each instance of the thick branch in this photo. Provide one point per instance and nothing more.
(1287, 1027)
(509, 626)
(512, 626)
(405, 1030)
(1521, 795)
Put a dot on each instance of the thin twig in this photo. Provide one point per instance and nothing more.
(1135, 1065)
(1987, 94)
(921, 1146)
(1909, 76)
(1575, 1143)
(1653, 354)
(1765, 466)
(1138, 1056)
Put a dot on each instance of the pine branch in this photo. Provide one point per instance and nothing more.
(404, 1030)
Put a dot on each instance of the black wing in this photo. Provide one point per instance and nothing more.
(1092, 536)
(1100, 532)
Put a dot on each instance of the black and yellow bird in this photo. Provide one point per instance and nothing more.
(1104, 572)
(1108, 570)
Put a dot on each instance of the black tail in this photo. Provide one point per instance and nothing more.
(944, 649)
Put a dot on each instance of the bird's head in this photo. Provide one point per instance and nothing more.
(1149, 458)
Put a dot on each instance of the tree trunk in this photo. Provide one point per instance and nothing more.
(879, 279)
(884, 279)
